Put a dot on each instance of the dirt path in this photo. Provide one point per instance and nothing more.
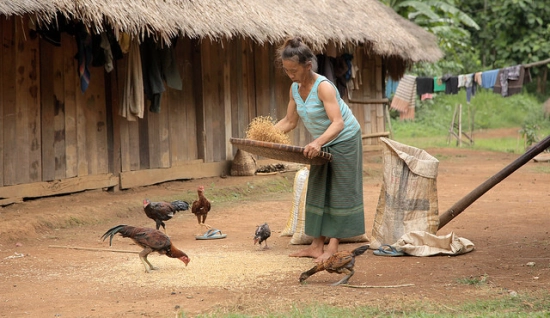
(509, 226)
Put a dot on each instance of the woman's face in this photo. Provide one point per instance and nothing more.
(296, 71)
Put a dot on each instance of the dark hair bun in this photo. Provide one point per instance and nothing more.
(295, 42)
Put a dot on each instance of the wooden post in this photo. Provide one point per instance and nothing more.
(459, 138)
(452, 128)
(387, 113)
(465, 202)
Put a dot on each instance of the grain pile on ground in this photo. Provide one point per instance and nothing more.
(262, 128)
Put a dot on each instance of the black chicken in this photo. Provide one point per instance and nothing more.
(263, 232)
(341, 263)
(150, 240)
(163, 211)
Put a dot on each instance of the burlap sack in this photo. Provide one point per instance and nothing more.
(408, 197)
(298, 200)
(419, 243)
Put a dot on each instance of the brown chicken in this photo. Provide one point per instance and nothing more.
(201, 207)
(163, 211)
(150, 240)
(341, 263)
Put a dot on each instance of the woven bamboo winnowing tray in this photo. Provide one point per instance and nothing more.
(279, 151)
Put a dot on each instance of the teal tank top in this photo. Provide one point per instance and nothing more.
(315, 119)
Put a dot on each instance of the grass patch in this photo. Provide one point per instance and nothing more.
(507, 305)
(280, 183)
(476, 281)
(433, 118)
(542, 168)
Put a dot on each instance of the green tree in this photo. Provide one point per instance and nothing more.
(452, 28)
(512, 32)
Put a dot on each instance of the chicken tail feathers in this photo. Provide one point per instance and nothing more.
(180, 205)
(360, 250)
(112, 231)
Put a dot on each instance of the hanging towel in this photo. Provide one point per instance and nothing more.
(133, 102)
(489, 78)
(424, 85)
(404, 99)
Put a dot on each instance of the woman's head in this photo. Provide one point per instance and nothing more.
(297, 58)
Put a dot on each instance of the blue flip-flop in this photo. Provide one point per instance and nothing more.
(387, 250)
(212, 234)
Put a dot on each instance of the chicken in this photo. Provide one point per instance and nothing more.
(201, 207)
(163, 211)
(341, 263)
(150, 240)
(262, 234)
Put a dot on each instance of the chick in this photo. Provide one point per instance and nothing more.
(262, 234)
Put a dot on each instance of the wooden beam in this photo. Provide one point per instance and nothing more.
(370, 101)
(376, 135)
(44, 189)
(194, 170)
(539, 63)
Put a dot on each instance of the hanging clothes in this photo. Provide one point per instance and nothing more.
(451, 84)
(404, 99)
(489, 78)
(84, 55)
(133, 103)
(469, 84)
(424, 85)
(391, 87)
(439, 85)
(511, 80)
(477, 78)
(325, 67)
(158, 65)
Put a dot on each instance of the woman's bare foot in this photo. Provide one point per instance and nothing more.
(308, 252)
(314, 250)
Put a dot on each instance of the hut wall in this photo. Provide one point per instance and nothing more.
(56, 139)
(370, 116)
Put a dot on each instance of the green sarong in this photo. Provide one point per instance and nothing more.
(334, 203)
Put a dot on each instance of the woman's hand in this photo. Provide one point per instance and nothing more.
(312, 150)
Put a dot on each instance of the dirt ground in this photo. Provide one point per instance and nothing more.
(509, 226)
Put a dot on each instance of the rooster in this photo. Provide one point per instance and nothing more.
(163, 211)
(262, 234)
(201, 207)
(150, 240)
(341, 263)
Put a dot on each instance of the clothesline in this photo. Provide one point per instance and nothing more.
(506, 81)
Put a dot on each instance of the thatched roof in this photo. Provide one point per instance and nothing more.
(366, 22)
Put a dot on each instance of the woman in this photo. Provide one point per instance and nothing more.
(334, 203)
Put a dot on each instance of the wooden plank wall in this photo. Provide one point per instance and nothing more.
(7, 100)
(53, 130)
(370, 116)
(21, 154)
(168, 138)
(243, 106)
